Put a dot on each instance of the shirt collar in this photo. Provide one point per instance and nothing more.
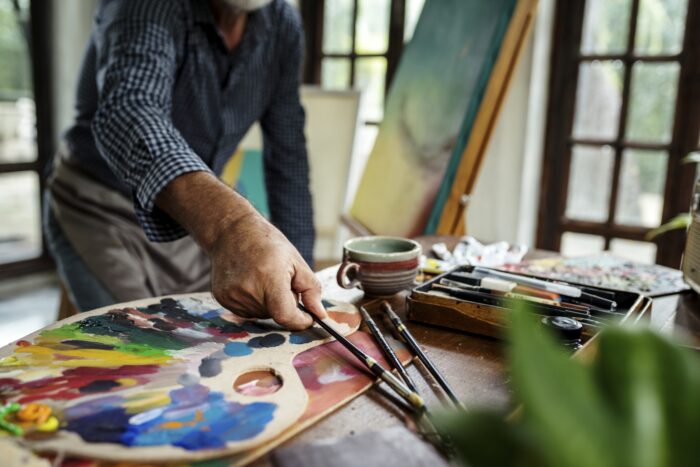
(259, 20)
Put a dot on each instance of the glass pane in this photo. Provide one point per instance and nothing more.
(372, 28)
(640, 200)
(660, 27)
(590, 183)
(369, 77)
(652, 101)
(598, 99)
(20, 229)
(17, 117)
(641, 252)
(413, 10)
(335, 73)
(576, 244)
(605, 26)
(337, 26)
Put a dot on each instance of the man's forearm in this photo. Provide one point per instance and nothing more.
(204, 206)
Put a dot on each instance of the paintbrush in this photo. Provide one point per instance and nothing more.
(489, 299)
(563, 289)
(372, 365)
(515, 296)
(413, 345)
(386, 348)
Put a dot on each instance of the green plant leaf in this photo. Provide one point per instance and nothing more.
(636, 405)
(562, 408)
(681, 221)
(691, 158)
(483, 438)
(651, 387)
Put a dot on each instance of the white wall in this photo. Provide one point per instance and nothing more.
(505, 200)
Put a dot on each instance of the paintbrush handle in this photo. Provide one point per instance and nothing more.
(413, 345)
(410, 396)
(388, 351)
(561, 289)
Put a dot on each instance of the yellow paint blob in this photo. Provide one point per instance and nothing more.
(49, 425)
(89, 357)
(10, 361)
(146, 401)
(127, 381)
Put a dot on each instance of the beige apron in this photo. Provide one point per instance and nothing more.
(102, 227)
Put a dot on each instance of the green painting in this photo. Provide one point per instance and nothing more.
(431, 107)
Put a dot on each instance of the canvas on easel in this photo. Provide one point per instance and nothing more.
(440, 113)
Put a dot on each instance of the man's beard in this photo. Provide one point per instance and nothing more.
(246, 5)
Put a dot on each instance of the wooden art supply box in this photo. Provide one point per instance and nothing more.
(483, 319)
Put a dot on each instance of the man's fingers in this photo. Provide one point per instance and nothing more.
(305, 283)
(281, 303)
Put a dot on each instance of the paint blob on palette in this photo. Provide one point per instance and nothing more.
(157, 379)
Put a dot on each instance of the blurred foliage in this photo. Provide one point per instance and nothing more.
(15, 74)
(681, 221)
(691, 158)
(635, 405)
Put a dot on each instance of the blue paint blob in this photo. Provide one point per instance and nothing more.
(211, 314)
(267, 341)
(106, 426)
(245, 422)
(237, 349)
(310, 335)
(196, 418)
(209, 367)
(326, 304)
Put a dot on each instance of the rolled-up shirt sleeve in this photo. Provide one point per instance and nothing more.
(285, 157)
(133, 130)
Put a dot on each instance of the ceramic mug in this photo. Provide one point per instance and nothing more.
(379, 265)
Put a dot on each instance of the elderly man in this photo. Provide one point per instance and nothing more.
(166, 92)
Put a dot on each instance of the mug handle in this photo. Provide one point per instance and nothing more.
(347, 275)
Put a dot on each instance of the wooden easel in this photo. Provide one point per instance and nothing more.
(452, 218)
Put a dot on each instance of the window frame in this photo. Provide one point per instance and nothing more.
(312, 12)
(565, 61)
(40, 27)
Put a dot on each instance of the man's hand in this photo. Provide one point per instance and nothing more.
(256, 272)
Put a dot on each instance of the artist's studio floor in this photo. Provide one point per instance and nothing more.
(27, 305)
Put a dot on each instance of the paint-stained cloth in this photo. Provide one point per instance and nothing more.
(160, 95)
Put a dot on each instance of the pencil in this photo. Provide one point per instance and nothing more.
(413, 345)
(410, 396)
(386, 348)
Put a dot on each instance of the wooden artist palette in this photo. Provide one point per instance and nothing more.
(176, 378)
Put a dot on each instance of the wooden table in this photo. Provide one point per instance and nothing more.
(473, 365)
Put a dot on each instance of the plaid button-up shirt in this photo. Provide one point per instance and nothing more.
(160, 95)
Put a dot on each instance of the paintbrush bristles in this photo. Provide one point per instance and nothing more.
(413, 345)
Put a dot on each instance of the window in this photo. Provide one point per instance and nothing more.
(22, 152)
(622, 115)
(357, 44)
